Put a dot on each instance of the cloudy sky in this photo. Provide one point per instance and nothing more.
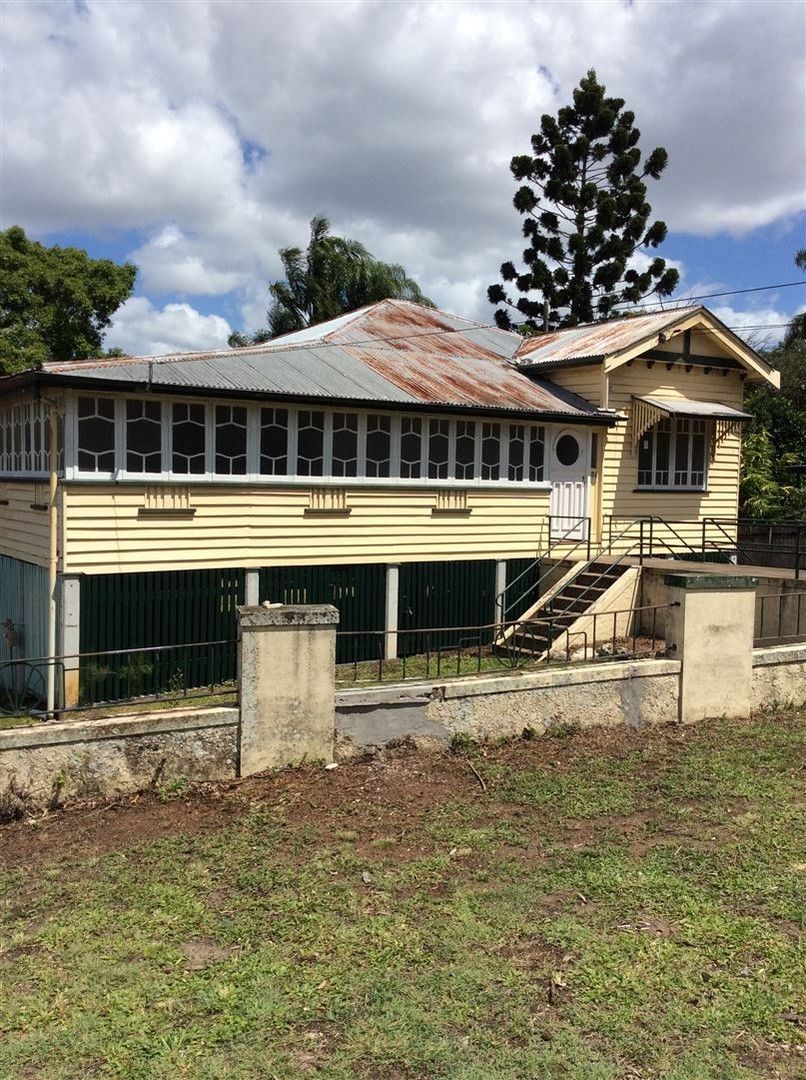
(195, 138)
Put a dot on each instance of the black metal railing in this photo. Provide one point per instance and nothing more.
(780, 618)
(92, 681)
(457, 651)
(514, 596)
(747, 541)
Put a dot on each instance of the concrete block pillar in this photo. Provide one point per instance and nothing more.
(252, 588)
(710, 630)
(69, 640)
(287, 682)
(500, 586)
(391, 611)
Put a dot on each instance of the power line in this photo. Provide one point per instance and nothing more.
(711, 296)
(314, 344)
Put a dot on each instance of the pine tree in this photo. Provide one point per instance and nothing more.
(583, 197)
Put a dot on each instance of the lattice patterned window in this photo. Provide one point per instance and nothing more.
(230, 440)
(274, 442)
(465, 464)
(96, 434)
(438, 449)
(517, 444)
(490, 451)
(143, 436)
(189, 439)
(672, 454)
(345, 444)
(411, 447)
(310, 443)
(379, 446)
(537, 450)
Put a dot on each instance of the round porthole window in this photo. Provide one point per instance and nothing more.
(567, 450)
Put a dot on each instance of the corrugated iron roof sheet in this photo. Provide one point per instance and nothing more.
(693, 409)
(403, 324)
(468, 380)
(392, 352)
(306, 372)
(597, 340)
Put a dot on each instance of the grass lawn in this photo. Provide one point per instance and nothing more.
(614, 905)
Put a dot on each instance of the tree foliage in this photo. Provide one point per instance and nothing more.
(55, 303)
(777, 437)
(332, 276)
(586, 216)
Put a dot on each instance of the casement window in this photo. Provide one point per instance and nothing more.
(465, 464)
(672, 454)
(439, 442)
(379, 446)
(188, 432)
(344, 460)
(411, 447)
(536, 452)
(517, 445)
(143, 436)
(139, 437)
(274, 442)
(96, 434)
(310, 443)
(490, 451)
(230, 440)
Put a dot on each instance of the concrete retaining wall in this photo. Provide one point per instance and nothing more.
(779, 676)
(89, 758)
(607, 694)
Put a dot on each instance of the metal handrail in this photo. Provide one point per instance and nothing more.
(500, 600)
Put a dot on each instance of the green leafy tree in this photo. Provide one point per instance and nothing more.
(333, 275)
(777, 437)
(583, 200)
(55, 303)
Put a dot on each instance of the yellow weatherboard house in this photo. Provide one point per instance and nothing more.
(400, 462)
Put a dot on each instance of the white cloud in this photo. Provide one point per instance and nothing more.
(141, 329)
(760, 326)
(216, 130)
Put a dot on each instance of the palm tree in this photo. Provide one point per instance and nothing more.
(332, 276)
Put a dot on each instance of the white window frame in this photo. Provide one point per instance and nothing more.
(253, 475)
(652, 433)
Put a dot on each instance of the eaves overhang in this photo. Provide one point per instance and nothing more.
(38, 380)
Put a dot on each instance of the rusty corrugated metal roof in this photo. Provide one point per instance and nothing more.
(404, 325)
(393, 352)
(597, 340)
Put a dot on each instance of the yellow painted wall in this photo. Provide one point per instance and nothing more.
(251, 526)
(585, 380)
(620, 462)
(24, 533)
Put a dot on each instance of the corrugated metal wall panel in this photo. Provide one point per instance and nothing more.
(446, 594)
(182, 607)
(23, 600)
(357, 591)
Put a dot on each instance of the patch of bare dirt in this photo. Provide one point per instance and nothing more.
(376, 804)
(201, 954)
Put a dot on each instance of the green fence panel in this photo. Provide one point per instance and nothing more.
(526, 588)
(446, 594)
(357, 591)
(24, 603)
(180, 608)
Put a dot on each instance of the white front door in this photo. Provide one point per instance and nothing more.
(569, 470)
